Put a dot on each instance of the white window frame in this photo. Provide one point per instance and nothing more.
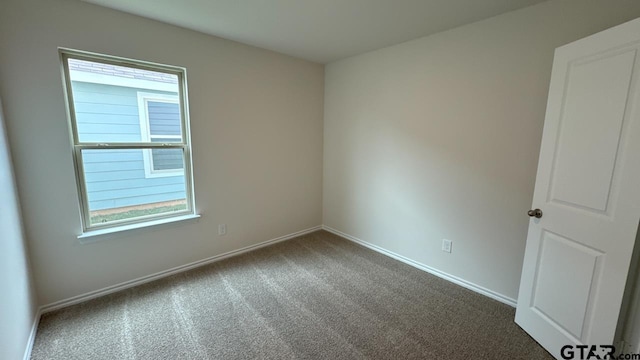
(78, 146)
(145, 131)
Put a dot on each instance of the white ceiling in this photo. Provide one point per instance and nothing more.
(318, 30)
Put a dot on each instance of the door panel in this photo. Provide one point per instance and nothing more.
(566, 273)
(588, 186)
(595, 89)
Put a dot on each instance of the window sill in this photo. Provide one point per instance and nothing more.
(101, 234)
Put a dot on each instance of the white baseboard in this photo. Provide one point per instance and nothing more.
(145, 279)
(454, 279)
(32, 334)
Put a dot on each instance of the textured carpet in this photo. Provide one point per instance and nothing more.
(314, 297)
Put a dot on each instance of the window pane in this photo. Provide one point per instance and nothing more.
(110, 102)
(164, 118)
(167, 159)
(118, 187)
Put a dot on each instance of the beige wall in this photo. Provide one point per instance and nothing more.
(256, 122)
(439, 138)
(17, 296)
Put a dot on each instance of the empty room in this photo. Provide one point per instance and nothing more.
(319, 179)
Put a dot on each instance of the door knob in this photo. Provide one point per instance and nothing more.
(537, 213)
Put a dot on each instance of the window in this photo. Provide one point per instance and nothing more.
(160, 122)
(131, 143)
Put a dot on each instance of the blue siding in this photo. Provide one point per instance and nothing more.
(116, 178)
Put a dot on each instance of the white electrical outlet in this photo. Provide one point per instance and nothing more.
(446, 245)
(222, 229)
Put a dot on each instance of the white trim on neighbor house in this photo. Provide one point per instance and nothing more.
(441, 274)
(102, 79)
(143, 116)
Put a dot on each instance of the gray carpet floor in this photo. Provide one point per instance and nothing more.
(314, 297)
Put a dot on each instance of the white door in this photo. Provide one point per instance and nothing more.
(588, 188)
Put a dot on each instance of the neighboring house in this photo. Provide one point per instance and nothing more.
(130, 105)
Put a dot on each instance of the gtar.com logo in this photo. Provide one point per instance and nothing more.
(586, 352)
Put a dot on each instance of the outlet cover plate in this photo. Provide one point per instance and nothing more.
(446, 245)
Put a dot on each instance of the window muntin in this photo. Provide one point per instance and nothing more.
(128, 173)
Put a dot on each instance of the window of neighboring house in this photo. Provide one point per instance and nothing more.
(160, 123)
(131, 141)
